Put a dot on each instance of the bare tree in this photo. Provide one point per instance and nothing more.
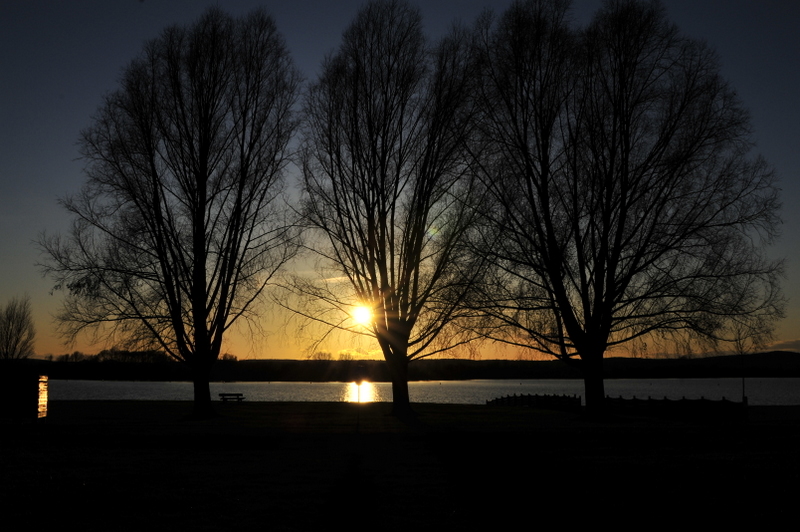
(17, 331)
(386, 181)
(626, 202)
(180, 226)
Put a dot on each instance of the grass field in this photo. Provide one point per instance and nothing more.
(318, 466)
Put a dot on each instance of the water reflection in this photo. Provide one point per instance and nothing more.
(42, 408)
(360, 393)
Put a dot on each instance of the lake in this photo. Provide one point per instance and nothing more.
(760, 391)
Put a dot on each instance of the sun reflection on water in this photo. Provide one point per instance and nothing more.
(360, 393)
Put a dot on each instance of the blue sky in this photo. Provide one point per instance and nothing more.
(58, 59)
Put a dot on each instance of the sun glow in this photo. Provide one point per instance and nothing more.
(362, 315)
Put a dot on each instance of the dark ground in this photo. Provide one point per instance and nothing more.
(319, 466)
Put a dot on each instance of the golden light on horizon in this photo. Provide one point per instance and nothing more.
(362, 315)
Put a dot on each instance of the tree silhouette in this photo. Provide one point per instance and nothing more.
(179, 228)
(17, 331)
(625, 202)
(386, 181)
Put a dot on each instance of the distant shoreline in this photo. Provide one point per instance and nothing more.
(784, 364)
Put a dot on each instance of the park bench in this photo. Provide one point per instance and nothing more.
(230, 396)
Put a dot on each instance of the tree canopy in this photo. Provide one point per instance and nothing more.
(561, 188)
(386, 177)
(181, 226)
(17, 332)
(626, 201)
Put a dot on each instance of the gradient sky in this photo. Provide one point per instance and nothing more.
(59, 58)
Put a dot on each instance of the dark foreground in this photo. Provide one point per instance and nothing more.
(320, 466)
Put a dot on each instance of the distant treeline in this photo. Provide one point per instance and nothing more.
(155, 365)
(114, 364)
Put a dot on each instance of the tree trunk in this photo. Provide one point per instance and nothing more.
(593, 383)
(401, 402)
(202, 392)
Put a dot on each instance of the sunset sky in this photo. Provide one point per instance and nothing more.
(59, 58)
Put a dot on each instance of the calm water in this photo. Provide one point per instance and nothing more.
(761, 392)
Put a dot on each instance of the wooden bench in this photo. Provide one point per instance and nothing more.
(225, 397)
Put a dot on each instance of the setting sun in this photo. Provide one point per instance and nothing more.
(362, 315)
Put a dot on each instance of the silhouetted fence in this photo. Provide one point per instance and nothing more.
(664, 408)
(570, 403)
(679, 408)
